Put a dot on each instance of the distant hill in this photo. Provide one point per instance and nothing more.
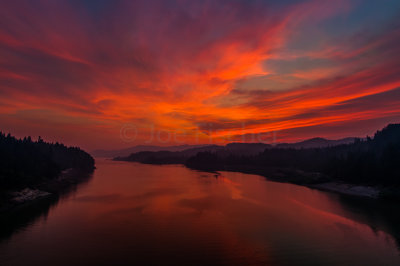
(140, 148)
(370, 161)
(315, 143)
(246, 148)
(168, 157)
(367, 161)
(178, 154)
(235, 147)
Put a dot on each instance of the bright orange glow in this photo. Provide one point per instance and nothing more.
(206, 73)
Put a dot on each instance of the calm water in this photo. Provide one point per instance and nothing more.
(139, 214)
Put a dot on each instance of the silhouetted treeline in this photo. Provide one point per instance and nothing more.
(166, 157)
(24, 162)
(374, 161)
(180, 157)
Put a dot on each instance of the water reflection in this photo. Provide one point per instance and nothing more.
(142, 214)
(26, 215)
(19, 219)
(379, 215)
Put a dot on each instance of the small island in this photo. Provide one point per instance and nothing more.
(32, 170)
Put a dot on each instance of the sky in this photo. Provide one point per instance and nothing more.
(113, 74)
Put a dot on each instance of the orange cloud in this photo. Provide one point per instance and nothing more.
(73, 72)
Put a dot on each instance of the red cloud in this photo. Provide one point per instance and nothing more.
(83, 73)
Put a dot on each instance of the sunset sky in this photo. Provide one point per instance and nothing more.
(113, 74)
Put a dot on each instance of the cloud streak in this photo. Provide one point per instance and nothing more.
(83, 69)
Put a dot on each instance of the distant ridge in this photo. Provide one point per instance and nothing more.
(315, 143)
(140, 148)
(236, 147)
(168, 157)
(367, 167)
(178, 154)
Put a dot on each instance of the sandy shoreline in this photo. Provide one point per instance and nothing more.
(27, 194)
(51, 188)
(348, 189)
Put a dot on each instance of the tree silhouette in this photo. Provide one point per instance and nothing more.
(24, 162)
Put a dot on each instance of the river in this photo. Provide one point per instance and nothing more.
(137, 214)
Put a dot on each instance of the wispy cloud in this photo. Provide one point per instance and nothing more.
(86, 68)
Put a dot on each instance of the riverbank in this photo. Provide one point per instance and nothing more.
(349, 189)
(309, 179)
(15, 199)
(314, 180)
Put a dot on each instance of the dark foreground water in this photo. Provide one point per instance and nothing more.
(137, 214)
